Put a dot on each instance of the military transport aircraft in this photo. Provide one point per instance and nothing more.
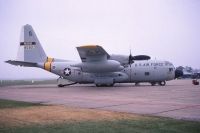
(97, 65)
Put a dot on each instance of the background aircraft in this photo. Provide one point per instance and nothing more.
(97, 65)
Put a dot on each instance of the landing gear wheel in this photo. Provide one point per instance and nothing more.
(137, 84)
(162, 83)
(98, 85)
(153, 83)
(104, 85)
(110, 85)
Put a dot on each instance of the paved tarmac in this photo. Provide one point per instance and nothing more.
(178, 99)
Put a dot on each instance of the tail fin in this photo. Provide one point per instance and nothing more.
(30, 49)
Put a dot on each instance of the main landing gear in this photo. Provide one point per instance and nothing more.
(161, 83)
(104, 85)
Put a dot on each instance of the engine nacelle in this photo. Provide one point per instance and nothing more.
(123, 59)
(100, 67)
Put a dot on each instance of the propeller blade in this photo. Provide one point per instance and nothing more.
(130, 57)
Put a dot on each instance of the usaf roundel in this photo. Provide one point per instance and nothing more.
(67, 71)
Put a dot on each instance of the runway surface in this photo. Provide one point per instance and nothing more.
(178, 99)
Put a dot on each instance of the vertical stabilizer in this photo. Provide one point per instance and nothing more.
(30, 49)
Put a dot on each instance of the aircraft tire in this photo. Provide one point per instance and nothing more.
(104, 85)
(153, 83)
(98, 85)
(110, 85)
(162, 83)
(137, 83)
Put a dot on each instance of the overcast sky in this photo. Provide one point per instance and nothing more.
(164, 29)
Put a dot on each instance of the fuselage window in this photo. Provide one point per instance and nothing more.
(146, 73)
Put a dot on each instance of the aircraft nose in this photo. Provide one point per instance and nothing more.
(178, 73)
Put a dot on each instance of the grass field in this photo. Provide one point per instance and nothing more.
(26, 82)
(120, 126)
(15, 104)
(74, 120)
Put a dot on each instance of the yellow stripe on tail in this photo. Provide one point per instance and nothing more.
(47, 64)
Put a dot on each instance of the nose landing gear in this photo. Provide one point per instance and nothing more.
(162, 83)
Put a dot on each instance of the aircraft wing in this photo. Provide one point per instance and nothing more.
(96, 60)
(90, 53)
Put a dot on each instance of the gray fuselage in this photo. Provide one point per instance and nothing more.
(139, 71)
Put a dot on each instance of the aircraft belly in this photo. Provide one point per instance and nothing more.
(105, 78)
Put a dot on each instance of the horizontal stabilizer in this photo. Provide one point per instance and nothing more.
(21, 63)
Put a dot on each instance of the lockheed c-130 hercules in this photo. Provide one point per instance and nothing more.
(97, 66)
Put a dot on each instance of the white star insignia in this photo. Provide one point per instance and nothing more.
(67, 71)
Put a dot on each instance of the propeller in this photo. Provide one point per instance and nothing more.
(137, 57)
(130, 58)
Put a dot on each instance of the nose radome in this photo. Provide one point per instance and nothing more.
(178, 73)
